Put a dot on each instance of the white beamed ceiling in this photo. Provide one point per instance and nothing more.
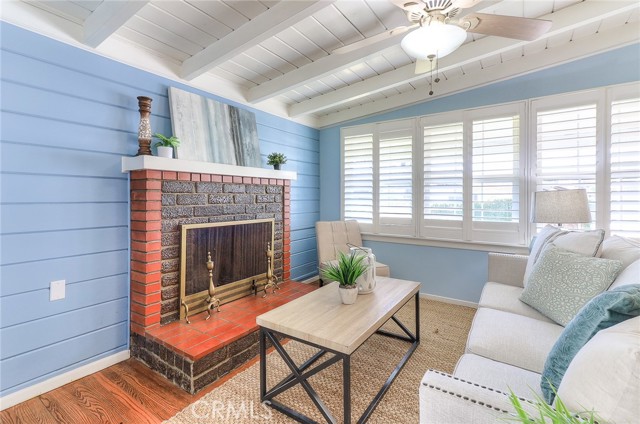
(276, 55)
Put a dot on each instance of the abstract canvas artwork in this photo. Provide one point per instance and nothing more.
(211, 131)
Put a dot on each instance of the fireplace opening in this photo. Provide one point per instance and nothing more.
(230, 255)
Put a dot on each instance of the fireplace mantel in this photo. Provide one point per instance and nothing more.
(144, 162)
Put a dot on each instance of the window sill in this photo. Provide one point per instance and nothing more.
(485, 247)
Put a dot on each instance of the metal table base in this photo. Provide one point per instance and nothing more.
(301, 374)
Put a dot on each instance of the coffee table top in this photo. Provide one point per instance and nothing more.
(320, 317)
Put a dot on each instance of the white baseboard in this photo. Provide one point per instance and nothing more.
(311, 279)
(449, 300)
(37, 389)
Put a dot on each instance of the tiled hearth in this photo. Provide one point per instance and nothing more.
(166, 193)
(197, 354)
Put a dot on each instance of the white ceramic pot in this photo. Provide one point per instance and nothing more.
(348, 295)
(165, 152)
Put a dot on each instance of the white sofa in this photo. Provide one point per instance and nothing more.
(506, 350)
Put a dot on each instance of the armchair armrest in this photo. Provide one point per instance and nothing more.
(507, 269)
(445, 399)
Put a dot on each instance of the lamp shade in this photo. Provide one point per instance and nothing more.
(437, 39)
(561, 206)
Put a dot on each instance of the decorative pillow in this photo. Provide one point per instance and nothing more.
(605, 375)
(629, 275)
(586, 243)
(562, 282)
(623, 249)
(603, 311)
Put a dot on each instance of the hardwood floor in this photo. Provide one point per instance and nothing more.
(126, 393)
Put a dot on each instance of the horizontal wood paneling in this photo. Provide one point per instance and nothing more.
(61, 327)
(68, 116)
(28, 276)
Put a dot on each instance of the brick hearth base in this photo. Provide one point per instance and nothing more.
(197, 354)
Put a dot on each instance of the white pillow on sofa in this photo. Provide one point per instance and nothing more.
(605, 375)
(622, 249)
(629, 275)
(586, 243)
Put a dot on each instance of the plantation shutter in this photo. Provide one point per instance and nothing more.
(625, 168)
(395, 188)
(443, 180)
(566, 150)
(358, 177)
(495, 180)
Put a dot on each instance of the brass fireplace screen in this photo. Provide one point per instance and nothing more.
(237, 266)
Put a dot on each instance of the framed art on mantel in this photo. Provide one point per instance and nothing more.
(211, 131)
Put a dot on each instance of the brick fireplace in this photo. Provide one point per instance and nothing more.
(166, 193)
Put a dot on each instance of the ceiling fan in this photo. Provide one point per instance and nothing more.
(434, 33)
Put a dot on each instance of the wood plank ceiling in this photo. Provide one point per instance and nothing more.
(277, 55)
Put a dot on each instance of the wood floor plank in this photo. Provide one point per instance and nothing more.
(155, 396)
(29, 412)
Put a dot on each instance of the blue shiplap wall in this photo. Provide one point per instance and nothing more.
(460, 273)
(67, 118)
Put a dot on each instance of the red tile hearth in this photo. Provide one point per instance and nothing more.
(234, 321)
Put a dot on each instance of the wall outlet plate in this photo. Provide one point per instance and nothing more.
(57, 290)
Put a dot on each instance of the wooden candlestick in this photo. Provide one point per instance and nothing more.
(144, 129)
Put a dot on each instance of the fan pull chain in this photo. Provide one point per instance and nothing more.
(431, 57)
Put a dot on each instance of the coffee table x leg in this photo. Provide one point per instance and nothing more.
(300, 374)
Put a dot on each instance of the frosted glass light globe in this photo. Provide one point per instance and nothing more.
(437, 39)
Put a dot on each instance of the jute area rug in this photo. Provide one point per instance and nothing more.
(443, 331)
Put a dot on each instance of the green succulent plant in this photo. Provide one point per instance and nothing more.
(165, 141)
(347, 270)
(276, 159)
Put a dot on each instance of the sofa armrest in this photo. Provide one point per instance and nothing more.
(445, 399)
(507, 269)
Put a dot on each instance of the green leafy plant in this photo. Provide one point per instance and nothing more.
(165, 141)
(347, 270)
(276, 159)
(548, 414)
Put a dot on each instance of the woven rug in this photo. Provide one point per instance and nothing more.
(443, 331)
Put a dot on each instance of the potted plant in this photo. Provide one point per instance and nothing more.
(166, 144)
(276, 159)
(346, 272)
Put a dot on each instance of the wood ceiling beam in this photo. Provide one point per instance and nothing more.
(567, 19)
(107, 18)
(331, 64)
(581, 48)
(264, 26)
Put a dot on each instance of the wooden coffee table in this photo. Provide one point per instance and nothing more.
(320, 320)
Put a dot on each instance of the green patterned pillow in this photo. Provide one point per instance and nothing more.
(562, 282)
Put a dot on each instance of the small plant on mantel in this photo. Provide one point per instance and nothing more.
(166, 144)
(346, 271)
(276, 159)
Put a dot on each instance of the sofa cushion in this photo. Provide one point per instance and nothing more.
(586, 243)
(498, 375)
(605, 375)
(629, 275)
(562, 282)
(603, 311)
(509, 338)
(621, 248)
(507, 298)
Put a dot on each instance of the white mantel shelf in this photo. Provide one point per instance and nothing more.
(143, 162)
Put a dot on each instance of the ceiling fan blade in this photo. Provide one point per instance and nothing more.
(424, 66)
(507, 26)
(373, 40)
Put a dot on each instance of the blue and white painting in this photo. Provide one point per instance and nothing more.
(211, 131)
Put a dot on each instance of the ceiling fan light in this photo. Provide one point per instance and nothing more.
(438, 39)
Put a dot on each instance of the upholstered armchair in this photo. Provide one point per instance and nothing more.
(336, 236)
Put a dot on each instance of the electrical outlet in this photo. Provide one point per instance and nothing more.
(56, 290)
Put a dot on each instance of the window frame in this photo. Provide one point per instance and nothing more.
(495, 236)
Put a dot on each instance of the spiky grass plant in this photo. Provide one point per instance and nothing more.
(558, 414)
(165, 141)
(347, 270)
